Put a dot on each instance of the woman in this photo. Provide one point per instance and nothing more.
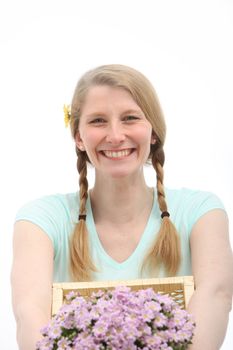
(121, 228)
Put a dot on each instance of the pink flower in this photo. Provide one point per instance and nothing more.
(119, 319)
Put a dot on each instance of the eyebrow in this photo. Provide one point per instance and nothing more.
(95, 114)
(134, 111)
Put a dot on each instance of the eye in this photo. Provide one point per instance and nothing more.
(130, 118)
(97, 121)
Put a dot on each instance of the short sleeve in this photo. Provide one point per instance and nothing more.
(50, 213)
(197, 204)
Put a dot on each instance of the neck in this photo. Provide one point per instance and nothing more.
(121, 200)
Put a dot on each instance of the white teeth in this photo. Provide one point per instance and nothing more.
(117, 154)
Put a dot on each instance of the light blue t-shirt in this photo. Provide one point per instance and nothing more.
(57, 215)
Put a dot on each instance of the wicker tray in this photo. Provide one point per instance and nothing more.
(179, 288)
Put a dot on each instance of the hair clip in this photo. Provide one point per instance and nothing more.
(67, 114)
(164, 214)
(82, 217)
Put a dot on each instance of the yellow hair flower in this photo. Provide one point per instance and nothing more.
(67, 114)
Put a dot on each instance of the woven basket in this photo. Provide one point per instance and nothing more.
(179, 288)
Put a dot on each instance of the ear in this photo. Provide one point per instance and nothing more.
(79, 142)
(153, 139)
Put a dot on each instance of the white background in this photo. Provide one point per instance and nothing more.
(184, 47)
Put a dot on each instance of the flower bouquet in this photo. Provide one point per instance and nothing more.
(118, 319)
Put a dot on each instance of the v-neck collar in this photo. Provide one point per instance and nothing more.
(149, 229)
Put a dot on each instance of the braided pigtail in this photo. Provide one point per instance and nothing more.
(166, 249)
(80, 260)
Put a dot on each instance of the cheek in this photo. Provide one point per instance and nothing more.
(143, 138)
(90, 137)
(143, 135)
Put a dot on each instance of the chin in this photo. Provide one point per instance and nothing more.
(123, 173)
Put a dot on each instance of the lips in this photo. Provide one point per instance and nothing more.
(117, 154)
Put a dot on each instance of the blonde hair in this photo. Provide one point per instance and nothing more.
(166, 248)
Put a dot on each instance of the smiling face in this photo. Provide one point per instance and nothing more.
(113, 131)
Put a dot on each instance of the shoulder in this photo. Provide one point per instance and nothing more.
(193, 197)
(50, 204)
(188, 205)
(51, 211)
(54, 214)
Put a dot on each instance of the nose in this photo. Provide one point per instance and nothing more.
(115, 134)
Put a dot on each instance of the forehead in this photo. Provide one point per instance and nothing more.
(104, 97)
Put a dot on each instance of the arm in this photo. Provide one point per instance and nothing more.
(31, 280)
(212, 266)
